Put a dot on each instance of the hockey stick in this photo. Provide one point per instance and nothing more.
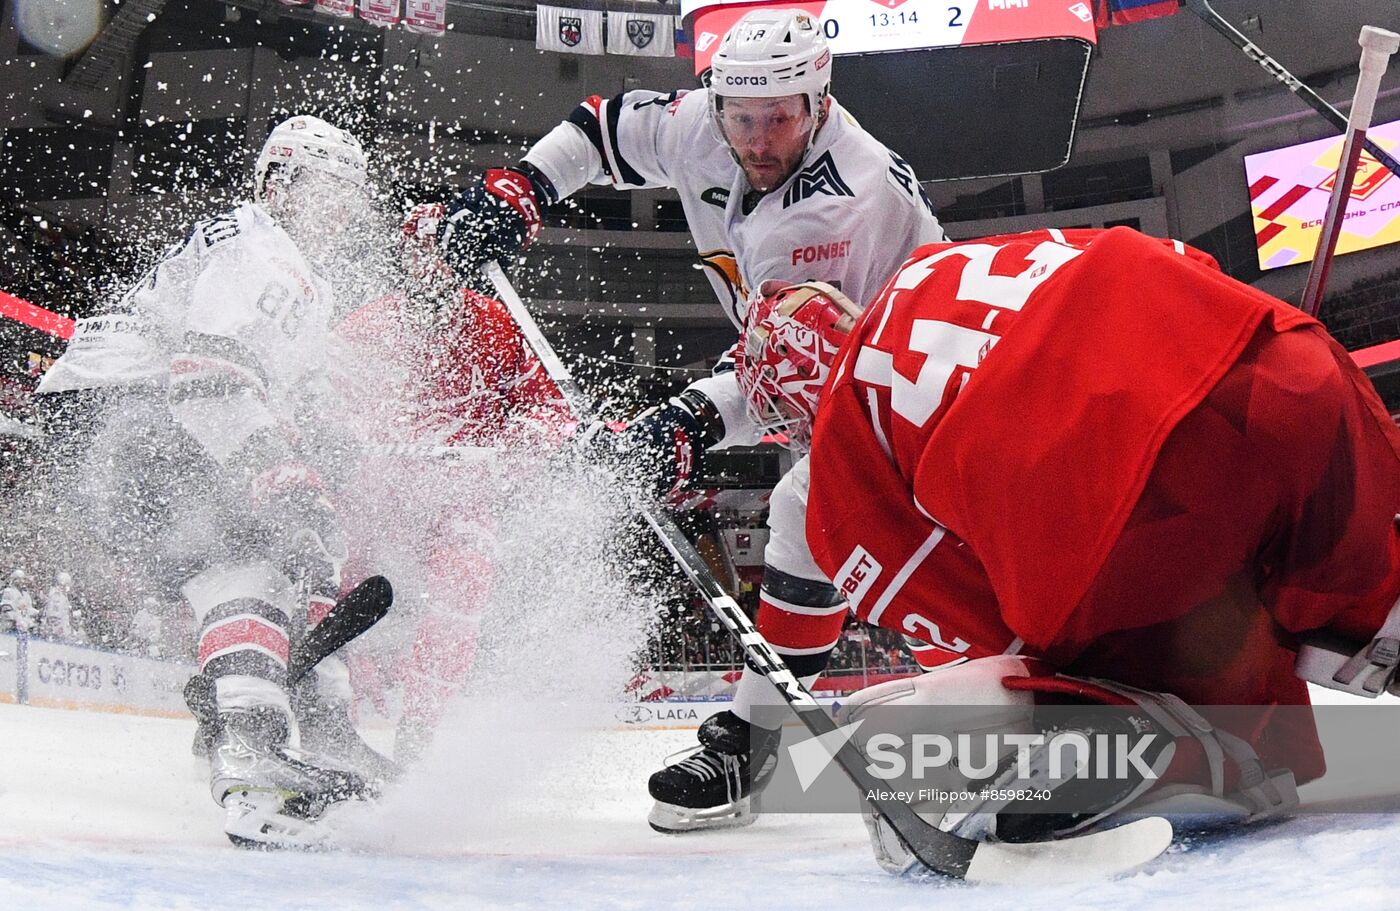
(1376, 47)
(1102, 853)
(363, 607)
(1207, 13)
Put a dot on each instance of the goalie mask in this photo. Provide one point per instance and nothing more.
(791, 336)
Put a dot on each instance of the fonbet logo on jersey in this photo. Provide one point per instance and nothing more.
(857, 575)
(815, 253)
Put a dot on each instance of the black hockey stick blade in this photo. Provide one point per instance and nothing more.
(352, 615)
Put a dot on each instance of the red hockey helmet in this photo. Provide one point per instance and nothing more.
(791, 336)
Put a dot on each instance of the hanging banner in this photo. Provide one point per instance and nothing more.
(380, 12)
(568, 31)
(427, 17)
(344, 9)
(641, 34)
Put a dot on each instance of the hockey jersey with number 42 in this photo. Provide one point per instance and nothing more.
(993, 418)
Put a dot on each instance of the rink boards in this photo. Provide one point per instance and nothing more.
(49, 674)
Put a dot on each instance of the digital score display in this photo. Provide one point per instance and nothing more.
(881, 26)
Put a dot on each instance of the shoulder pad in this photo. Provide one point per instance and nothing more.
(219, 229)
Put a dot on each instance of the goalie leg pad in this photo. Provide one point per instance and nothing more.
(1007, 794)
(1362, 670)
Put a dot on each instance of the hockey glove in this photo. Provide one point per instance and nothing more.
(303, 531)
(497, 217)
(661, 448)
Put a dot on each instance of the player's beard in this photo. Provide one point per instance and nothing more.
(767, 172)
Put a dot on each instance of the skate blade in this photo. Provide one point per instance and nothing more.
(670, 819)
(255, 821)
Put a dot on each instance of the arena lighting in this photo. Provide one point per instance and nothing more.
(34, 316)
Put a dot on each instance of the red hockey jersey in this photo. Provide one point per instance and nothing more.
(978, 451)
(468, 379)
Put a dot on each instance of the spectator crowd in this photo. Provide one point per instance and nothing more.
(52, 611)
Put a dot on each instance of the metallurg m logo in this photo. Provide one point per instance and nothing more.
(1064, 755)
(819, 177)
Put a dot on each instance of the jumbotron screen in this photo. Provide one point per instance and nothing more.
(1289, 189)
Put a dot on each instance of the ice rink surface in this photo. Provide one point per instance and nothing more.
(108, 811)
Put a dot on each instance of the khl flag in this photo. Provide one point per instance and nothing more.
(569, 31)
(641, 34)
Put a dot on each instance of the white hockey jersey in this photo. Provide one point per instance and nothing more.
(233, 323)
(849, 216)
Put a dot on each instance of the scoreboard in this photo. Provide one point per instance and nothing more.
(880, 26)
(959, 88)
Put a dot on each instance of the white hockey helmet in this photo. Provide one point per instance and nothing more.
(309, 142)
(770, 53)
(64, 579)
(18, 576)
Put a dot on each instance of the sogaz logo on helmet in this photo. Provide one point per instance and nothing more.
(745, 80)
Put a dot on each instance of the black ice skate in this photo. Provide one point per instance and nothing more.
(273, 798)
(711, 788)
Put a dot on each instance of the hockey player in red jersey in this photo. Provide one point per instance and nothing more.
(1089, 454)
(467, 378)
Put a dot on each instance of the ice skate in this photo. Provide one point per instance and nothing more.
(711, 787)
(273, 798)
(326, 729)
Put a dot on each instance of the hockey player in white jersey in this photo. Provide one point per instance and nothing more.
(778, 182)
(212, 372)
